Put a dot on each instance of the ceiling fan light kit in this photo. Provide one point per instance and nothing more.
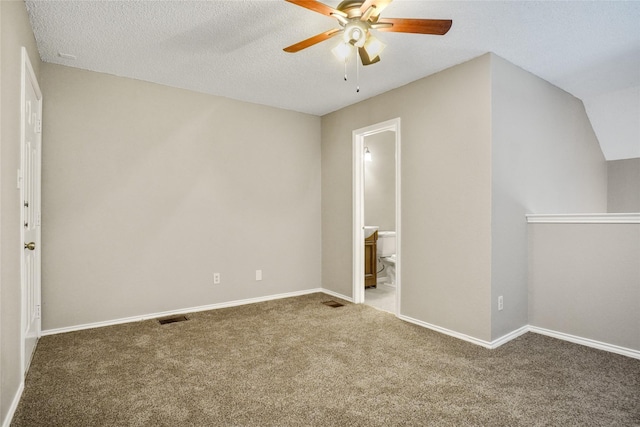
(342, 51)
(356, 19)
(374, 47)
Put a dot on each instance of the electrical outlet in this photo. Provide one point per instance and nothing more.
(258, 274)
(216, 278)
(500, 303)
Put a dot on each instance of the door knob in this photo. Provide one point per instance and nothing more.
(31, 246)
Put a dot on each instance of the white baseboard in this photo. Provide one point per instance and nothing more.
(612, 348)
(14, 406)
(335, 294)
(587, 342)
(188, 310)
(446, 331)
(487, 344)
(510, 336)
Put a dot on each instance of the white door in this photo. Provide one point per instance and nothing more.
(29, 175)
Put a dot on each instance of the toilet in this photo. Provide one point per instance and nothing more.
(386, 253)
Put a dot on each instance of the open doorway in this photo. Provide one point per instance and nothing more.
(380, 220)
(376, 221)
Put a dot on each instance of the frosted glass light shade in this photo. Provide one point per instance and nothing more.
(374, 47)
(342, 51)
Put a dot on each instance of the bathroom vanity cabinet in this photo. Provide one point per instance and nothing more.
(370, 267)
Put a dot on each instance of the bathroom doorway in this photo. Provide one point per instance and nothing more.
(376, 207)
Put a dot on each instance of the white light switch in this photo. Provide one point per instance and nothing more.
(258, 274)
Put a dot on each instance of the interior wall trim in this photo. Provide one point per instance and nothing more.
(613, 218)
(612, 348)
(446, 331)
(336, 294)
(486, 344)
(510, 336)
(14, 405)
(587, 342)
(185, 311)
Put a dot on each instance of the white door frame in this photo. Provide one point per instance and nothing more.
(359, 135)
(28, 77)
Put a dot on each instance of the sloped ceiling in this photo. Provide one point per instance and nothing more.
(234, 49)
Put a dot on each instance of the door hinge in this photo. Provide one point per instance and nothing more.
(38, 126)
(38, 311)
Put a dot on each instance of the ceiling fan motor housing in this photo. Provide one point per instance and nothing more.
(351, 8)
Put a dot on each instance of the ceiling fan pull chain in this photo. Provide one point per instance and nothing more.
(345, 68)
(357, 70)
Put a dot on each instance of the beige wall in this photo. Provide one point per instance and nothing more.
(585, 281)
(446, 195)
(545, 159)
(624, 186)
(148, 190)
(380, 181)
(15, 32)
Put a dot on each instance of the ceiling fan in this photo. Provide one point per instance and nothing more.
(357, 18)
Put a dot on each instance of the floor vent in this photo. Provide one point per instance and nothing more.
(333, 304)
(172, 319)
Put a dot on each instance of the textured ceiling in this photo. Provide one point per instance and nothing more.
(234, 49)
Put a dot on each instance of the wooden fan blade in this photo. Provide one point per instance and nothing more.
(378, 6)
(364, 57)
(312, 40)
(316, 6)
(416, 26)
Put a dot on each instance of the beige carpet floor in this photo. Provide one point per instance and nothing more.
(297, 362)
